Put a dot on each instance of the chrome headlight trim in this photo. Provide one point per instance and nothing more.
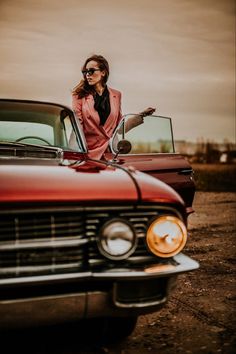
(117, 239)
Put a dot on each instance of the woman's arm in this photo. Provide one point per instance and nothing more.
(137, 119)
(77, 108)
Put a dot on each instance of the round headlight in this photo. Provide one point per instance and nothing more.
(117, 239)
(166, 236)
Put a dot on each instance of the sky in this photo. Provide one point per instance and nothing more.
(175, 55)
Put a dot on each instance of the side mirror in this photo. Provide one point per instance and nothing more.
(123, 147)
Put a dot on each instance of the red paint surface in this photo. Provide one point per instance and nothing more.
(165, 167)
(89, 182)
(153, 162)
(156, 190)
(57, 183)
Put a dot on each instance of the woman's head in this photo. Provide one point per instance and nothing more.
(95, 70)
(96, 66)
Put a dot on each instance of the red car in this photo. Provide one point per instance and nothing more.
(83, 238)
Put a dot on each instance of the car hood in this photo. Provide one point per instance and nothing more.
(86, 182)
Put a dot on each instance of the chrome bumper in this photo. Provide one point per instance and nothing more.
(51, 309)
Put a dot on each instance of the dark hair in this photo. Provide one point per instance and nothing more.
(83, 88)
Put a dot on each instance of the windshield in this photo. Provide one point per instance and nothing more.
(39, 123)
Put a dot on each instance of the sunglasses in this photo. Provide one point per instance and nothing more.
(89, 71)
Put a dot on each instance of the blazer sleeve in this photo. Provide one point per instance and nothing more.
(77, 108)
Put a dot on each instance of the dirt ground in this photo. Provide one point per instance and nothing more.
(200, 314)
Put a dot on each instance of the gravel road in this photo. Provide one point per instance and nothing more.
(199, 316)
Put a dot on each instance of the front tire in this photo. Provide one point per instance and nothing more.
(118, 328)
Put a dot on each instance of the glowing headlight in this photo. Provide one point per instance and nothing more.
(166, 236)
(117, 239)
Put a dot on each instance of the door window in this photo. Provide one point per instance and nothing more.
(148, 135)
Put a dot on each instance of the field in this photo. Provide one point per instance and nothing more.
(215, 177)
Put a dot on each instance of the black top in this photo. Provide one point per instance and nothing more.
(102, 105)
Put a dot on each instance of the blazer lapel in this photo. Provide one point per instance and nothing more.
(95, 115)
(112, 116)
(90, 102)
(113, 105)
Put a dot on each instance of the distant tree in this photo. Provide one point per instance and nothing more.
(212, 152)
(200, 151)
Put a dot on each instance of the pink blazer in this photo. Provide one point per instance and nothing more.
(97, 136)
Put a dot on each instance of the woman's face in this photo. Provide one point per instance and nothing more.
(93, 74)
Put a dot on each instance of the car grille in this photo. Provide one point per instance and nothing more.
(63, 239)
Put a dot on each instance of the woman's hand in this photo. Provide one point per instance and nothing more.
(136, 120)
(147, 112)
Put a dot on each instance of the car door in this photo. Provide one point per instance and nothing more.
(152, 151)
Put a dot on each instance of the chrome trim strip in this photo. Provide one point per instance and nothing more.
(87, 208)
(183, 264)
(43, 279)
(4, 246)
(29, 269)
(153, 270)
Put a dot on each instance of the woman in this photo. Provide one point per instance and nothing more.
(97, 106)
